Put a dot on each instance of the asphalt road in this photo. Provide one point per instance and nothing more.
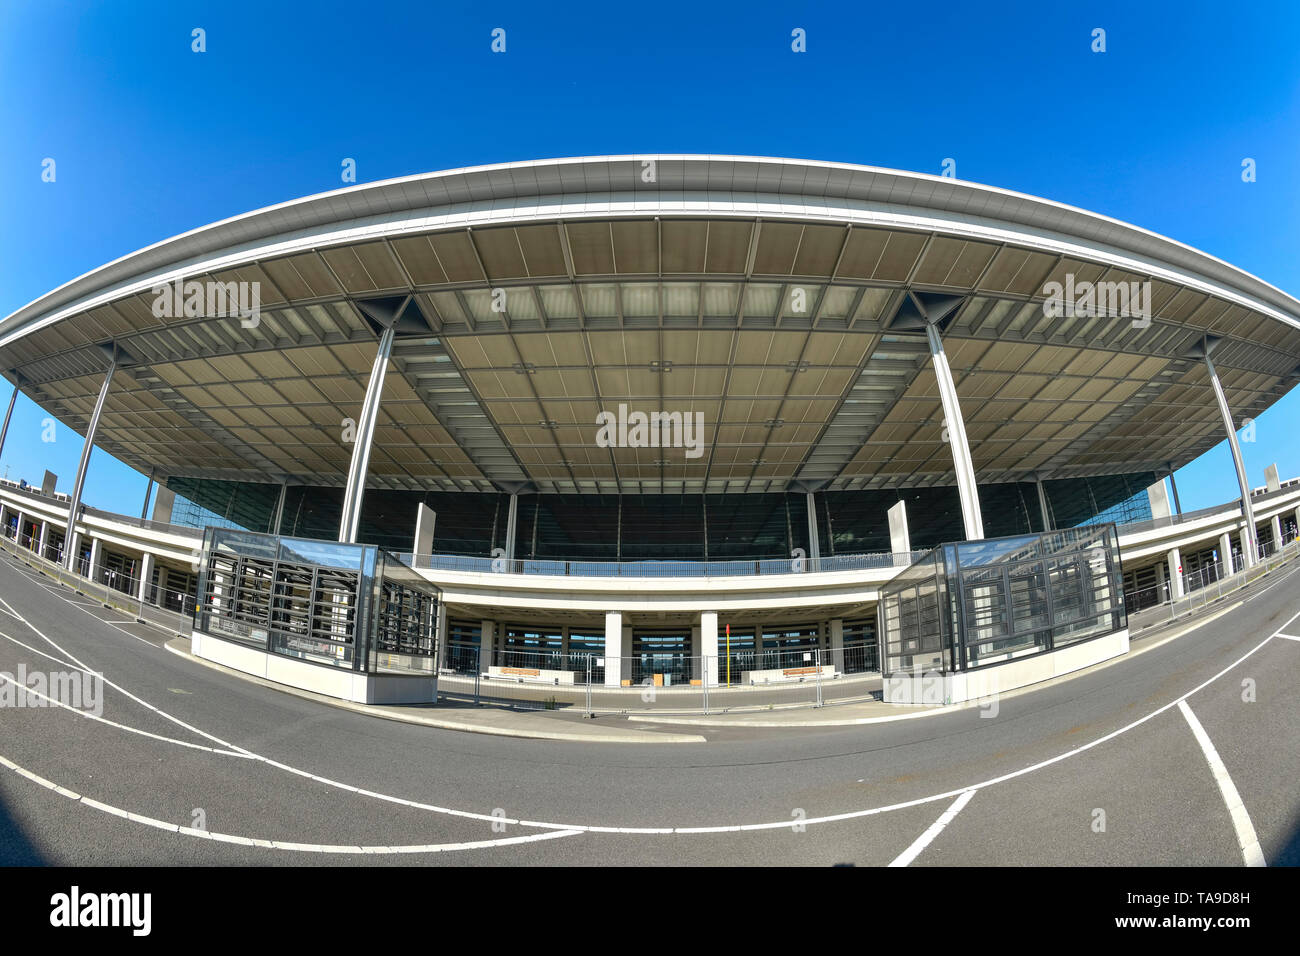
(1104, 769)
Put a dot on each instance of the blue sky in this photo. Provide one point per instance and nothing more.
(151, 139)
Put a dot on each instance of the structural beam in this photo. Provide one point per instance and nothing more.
(1249, 547)
(74, 505)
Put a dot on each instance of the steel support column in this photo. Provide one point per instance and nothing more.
(1249, 546)
(279, 508)
(1042, 506)
(365, 434)
(814, 539)
(512, 516)
(961, 460)
(148, 492)
(74, 505)
(4, 430)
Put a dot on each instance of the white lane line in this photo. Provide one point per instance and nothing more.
(1289, 637)
(276, 844)
(731, 828)
(89, 715)
(925, 839)
(1245, 830)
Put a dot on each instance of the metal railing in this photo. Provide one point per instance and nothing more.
(1205, 586)
(165, 607)
(61, 501)
(660, 681)
(661, 569)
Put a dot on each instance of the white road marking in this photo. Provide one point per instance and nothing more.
(733, 828)
(53, 702)
(925, 839)
(1289, 637)
(276, 844)
(1245, 830)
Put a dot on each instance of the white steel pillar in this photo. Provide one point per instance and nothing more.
(1248, 539)
(512, 517)
(365, 434)
(961, 460)
(814, 542)
(74, 504)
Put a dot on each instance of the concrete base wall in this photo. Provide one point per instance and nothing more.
(931, 690)
(330, 681)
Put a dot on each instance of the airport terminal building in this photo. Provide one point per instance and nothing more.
(626, 406)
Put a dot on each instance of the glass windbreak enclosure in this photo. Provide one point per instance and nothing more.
(340, 605)
(979, 603)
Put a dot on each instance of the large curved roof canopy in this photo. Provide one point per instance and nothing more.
(759, 292)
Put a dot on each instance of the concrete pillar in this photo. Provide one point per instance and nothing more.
(442, 636)
(964, 467)
(163, 502)
(355, 490)
(900, 538)
(1158, 496)
(1175, 568)
(614, 649)
(423, 546)
(486, 644)
(1276, 524)
(45, 538)
(1225, 554)
(709, 646)
(1271, 480)
(837, 643)
(146, 575)
(93, 571)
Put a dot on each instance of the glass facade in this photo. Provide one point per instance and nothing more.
(650, 528)
(977, 603)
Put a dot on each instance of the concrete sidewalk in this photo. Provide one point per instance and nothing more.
(468, 718)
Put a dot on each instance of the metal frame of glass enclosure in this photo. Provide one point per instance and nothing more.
(351, 606)
(976, 604)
